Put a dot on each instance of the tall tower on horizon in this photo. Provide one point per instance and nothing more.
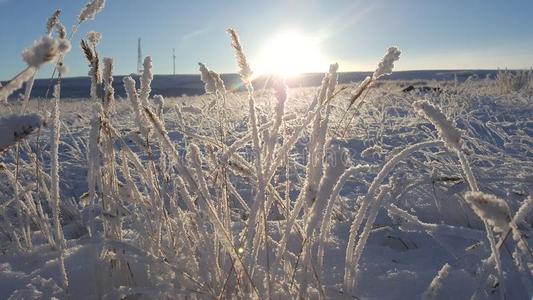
(139, 57)
(173, 61)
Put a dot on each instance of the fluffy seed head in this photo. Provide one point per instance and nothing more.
(62, 69)
(219, 83)
(61, 30)
(491, 209)
(445, 128)
(207, 79)
(43, 51)
(53, 21)
(64, 45)
(146, 80)
(244, 68)
(90, 10)
(212, 81)
(159, 100)
(386, 65)
(94, 37)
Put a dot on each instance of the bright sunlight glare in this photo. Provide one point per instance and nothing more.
(290, 53)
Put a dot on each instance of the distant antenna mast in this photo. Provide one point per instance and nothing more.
(139, 57)
(174, 61)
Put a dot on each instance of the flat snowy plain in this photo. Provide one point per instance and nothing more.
(423, 221)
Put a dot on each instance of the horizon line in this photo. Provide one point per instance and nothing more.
(313, 73)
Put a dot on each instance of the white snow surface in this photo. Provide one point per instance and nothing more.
(15, 127)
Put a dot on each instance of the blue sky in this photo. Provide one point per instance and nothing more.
(451, 34)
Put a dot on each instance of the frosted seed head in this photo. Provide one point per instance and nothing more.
(61, 31)
(207, 79)
(43, 51)
(446, 130)
(386, 65)
(108, 70)
(90, 10)
(219, 84)
(62, 68)
(94, 37)
(64, 46)
(372, 151)
(491, 209)
(159, 100)
(53, 21)
(244, 68)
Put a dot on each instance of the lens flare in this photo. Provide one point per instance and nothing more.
(290, 53)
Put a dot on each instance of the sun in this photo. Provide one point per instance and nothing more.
(290, 53)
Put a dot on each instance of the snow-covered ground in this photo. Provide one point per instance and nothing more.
(146, 241)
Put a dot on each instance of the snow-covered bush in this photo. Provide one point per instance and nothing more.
(515, 81)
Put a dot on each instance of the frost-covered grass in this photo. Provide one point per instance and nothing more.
(357, 191)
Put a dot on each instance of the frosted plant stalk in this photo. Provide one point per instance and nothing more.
(524, 209)
(109, 91)
(159, 102)
(352, 259)
(207, 79)
(436, 284)
(334, 169)
(146, 80)
(54, 174)
(27, 92)
(452, 139)
(246, 75)
(16, 83)
(225, 237)
(282, 154)
(93, 154)
(280, 90)
(373, 209)
(325, 224)
(140, 117)
(196, 160)
(313, 167)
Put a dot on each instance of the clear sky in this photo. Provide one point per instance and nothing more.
(448, 34)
